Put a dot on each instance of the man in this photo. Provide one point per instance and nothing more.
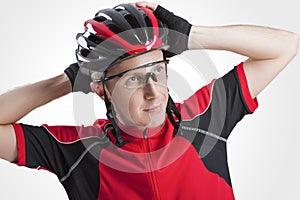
(139, 153)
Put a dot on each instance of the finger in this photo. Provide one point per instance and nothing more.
(146, 4)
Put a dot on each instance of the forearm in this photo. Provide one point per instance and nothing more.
(255, 42)
(16, 103)
(268, 50)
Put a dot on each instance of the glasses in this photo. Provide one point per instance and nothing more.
(139, 77)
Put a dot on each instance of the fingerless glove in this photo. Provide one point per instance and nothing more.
(179, 30)
(79, 80)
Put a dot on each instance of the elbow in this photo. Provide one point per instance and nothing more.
(294, 42)
(290, 48)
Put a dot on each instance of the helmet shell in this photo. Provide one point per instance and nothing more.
(119, 33)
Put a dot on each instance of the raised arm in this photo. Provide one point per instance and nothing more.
(268, 50)
(17, 103)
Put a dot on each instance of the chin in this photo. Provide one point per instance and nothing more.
(155, 121)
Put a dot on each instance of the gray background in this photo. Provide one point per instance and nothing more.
(38, 41)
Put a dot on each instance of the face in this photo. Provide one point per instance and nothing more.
(139, 97)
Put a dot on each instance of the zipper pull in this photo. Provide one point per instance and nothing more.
(145, 134)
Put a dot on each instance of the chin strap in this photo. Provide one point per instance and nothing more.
(110, 115)
(171, 112)
(115, 128)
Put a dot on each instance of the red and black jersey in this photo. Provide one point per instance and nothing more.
(156, 163)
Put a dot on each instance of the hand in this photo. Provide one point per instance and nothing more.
(146, 4)
(180, 28)
(79, 80)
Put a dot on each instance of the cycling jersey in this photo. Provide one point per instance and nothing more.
(156, 163)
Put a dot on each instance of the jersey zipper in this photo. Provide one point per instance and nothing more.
(151, 168)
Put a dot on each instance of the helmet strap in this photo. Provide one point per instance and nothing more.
(171, 112)
(110, 115)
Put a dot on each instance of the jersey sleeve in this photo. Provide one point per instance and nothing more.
(220, 105)
(238, 98)
(54, 148)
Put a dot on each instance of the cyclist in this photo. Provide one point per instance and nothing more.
(148, 147)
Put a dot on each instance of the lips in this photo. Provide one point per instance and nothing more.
(154, 108)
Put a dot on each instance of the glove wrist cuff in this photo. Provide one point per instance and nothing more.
(161, 13)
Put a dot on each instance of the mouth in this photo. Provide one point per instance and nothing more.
(154, 108)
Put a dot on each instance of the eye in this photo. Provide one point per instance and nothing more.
(132, 79)
(159, 70)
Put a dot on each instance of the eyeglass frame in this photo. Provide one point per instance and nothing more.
(166, 61)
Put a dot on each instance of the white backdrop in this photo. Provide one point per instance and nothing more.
(38, 41)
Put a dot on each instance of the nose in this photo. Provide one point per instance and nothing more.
(150, 89)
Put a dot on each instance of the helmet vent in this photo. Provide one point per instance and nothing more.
(119, 8)
(132, 21)
(101, 17)
(95, 39)
(114, 28)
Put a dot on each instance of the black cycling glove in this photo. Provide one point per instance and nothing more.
(79, 80)
(180, 30)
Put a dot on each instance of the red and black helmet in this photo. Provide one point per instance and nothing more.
(118, 33)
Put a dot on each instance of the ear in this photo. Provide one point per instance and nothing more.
(98, 89)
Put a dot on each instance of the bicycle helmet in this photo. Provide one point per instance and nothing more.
(116, 34)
